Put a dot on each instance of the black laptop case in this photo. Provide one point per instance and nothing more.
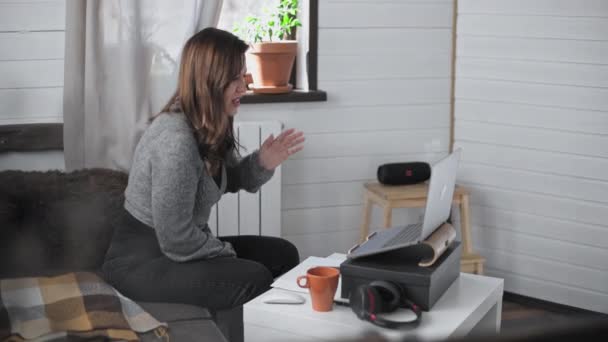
(423, 285)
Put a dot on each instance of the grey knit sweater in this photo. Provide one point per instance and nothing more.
(170, 190)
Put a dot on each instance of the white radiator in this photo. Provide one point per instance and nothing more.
(245, 213)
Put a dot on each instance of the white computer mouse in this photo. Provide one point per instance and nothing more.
(276, 297)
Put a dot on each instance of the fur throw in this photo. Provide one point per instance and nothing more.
(51, 222)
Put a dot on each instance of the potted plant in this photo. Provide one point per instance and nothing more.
(272, 47)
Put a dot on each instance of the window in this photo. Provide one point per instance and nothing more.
(235, 11)
(304, 74)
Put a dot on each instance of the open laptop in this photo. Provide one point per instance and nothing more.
(437, 212)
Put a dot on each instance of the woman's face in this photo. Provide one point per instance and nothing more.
(235, 90)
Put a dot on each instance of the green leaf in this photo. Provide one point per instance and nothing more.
(276, 23)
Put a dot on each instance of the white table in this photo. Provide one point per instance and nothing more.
(471, 303)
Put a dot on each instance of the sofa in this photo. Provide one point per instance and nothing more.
(57, 222)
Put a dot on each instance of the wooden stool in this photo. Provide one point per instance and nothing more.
(414, 196)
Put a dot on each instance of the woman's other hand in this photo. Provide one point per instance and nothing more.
(275, 151)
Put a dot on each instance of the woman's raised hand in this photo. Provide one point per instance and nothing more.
(275, 151)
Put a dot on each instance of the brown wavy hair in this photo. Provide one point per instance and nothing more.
(210, 61)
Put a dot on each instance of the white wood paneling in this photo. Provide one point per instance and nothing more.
(352, 168)
(31, 62)
(583, 28)
(382, 2)
(560, 293)
(388, 92)
(383, 41)
(324, 244)
(18, 16)
(540, 247)
(551, 50)
(389, 14)
(535, 182)
(578, 8)
(340, 218)
(533, 138)
(374, 143)
(533, 93)
(535, 160)
(572, 120)
(532, 117)
(308, 117)
(584, 75)
(540, 268)
(539, 204)
(31, 103)
(32, 45)
(339, 68)
(322, 195)
(31, 74)
(533, 225)
(318, 220)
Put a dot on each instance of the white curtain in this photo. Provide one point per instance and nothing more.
(121, 64)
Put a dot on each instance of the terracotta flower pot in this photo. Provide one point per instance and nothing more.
(271, 66)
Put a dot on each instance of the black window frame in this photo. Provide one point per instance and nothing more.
(298, 95)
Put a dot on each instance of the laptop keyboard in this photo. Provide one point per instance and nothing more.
(408, 234)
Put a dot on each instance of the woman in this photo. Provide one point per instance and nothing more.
(164, 250)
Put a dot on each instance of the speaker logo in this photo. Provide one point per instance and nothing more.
(408, 173)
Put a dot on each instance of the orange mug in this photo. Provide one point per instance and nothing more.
(322, 283)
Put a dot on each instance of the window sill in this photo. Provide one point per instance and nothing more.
(31, 137)
(294, 96)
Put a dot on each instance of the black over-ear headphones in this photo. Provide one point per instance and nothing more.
(382, 296)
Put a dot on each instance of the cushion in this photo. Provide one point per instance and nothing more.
(189, 331)
(170, 312)
(186, 322)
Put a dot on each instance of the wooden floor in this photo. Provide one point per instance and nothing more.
(523, 314)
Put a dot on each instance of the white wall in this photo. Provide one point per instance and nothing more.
(31, 73)
(386, 68)
(532, 117)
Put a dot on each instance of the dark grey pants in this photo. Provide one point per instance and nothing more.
(137, 268)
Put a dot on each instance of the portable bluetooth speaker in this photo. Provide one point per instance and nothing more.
(404, 173)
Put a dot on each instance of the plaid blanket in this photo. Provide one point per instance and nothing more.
(76, 305)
